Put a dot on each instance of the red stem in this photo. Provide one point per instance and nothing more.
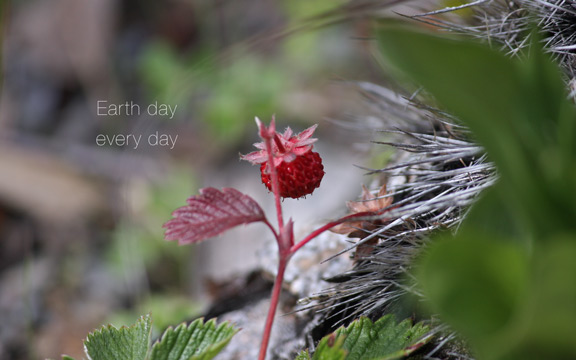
(275, 183)
(284, 256)
(328, 226)
(271, 228)
(315, 233)
(283, 247)
(283, 261)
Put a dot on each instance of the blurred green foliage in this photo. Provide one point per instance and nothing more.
(223, 98)
(247, 87)
(138, 240)
(222, 89)
(141, 257)
(166, 308)
(302, 47)
(505, 280)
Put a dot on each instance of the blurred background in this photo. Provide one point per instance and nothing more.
(81, 242)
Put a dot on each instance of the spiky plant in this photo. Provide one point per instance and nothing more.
(438, 170)
(435, 175)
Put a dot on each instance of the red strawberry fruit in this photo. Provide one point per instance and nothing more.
(299, 169)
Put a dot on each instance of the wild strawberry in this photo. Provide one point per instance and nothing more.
(299, 169)
(299, 177)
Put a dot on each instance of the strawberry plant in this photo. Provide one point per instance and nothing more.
(289, 168)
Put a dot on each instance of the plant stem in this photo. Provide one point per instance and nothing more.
(315, 233)
(271, 228)
(330, 225)
(282, 262)
(275, 183)
(284, 240)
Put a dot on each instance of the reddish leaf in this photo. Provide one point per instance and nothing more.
(211, 213)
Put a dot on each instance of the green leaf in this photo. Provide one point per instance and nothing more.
(303, 355)
(364, 340)
(197, 341)
(66, 357)
(478, 285)
(126, 343)
(330, 348)
(491, 217)
(550, 334)
(517, 109)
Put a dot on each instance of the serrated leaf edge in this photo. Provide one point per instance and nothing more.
(342, 334)
(200, 324)
(147, 319)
